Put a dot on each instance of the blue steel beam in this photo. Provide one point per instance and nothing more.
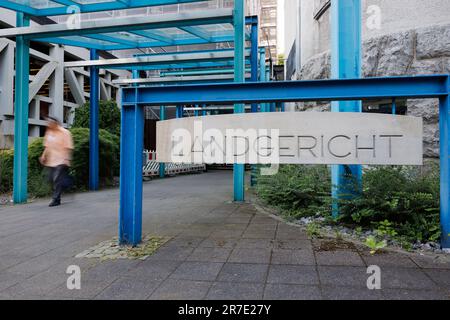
(130, 24)
(131, 145)
(200, 72)
(183, 66)
(162, 166)
(433, 86)
(204, 111)
(20, 172)
(94, 125)
(239, 78)
(88, 7)
(179, 111)
(345, 63)
(428, 86)
(210, 51)
(262, 73)
(138, 45)
(444, 124)
(254, 58)
(156, 59)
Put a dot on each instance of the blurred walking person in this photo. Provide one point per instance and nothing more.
(57, 155)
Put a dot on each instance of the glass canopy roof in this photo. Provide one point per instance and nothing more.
(128, 32)
(62, 7)
(147, 38)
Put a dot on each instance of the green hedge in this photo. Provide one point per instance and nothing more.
(37, 176)
(109, 157)
(6, 170)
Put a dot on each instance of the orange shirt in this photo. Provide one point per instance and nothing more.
(58, 147)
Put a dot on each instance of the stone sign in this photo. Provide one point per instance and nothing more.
(292, 138)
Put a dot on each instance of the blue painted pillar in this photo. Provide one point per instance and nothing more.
(162, 166)
(93, 125)
(262, 73)
(20, 174)
(254, 59)
(131, 148)
(345, 63)
(254, 78)
(444, 127)
(196, 112)
(179, 112)
(204, 112)
(239, 76)
(135, 75)
(270, 107)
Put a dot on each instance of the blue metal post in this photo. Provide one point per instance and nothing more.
(394, 107)
(132, 145)
(254, 78)
(273, 107)
(444, 124)
(162, 166)
(196, 113)
(269, 106)
(254, 58)
(204, 112)
(179, 112)
(93, 125)
(239, 76)
(346, 63)
(262, 73)
(20, 174)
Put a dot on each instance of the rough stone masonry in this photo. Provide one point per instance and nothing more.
(419, 51)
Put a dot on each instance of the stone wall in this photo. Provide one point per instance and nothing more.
(413, 52)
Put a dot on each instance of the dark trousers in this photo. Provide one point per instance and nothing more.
(58, 177)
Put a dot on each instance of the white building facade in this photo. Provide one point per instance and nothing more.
(401, 37)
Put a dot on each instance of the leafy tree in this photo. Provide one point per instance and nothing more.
(109, 117)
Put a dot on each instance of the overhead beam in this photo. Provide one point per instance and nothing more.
(174, 79)
(199, 72)
(155, 59)
(433, 86)
(184, 66)
(89, 7)
(169, 20)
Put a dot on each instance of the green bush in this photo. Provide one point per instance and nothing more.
(6, 170)
(109, 117)
(37, 179)
(404, 197)
(38, 185)
(298, 190)
(397, 202)
(109, 157)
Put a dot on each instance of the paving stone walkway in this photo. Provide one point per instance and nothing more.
(218, 250)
